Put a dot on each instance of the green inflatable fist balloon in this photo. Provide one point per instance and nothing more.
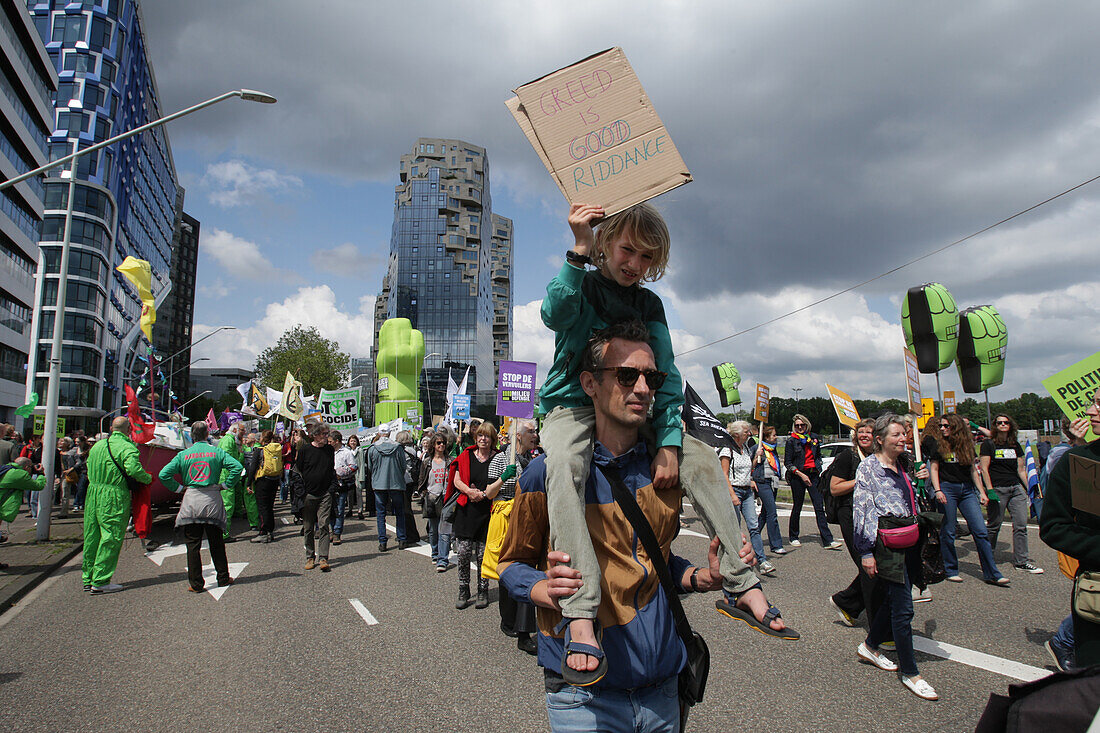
(399, 360)
(930, 323)
(983, 345)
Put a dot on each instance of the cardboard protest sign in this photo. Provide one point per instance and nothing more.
(846, 410)
(596, 131)
(1084, 484)
(763, 402)
(340, 407)
(460, 407)
(912, 381)
(949, 403)
(1073, 387)
(516, 389)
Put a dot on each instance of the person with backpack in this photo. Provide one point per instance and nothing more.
(269, 457)
(343, 485)
(15, 478)
(386, 460)
(412, 474)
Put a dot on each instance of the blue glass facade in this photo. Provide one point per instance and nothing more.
(27, 83)
(440, 274)
(128, 197)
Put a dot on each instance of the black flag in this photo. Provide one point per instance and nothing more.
(701, 422)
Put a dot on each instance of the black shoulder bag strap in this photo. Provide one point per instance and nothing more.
(693, 679)
(131, 483)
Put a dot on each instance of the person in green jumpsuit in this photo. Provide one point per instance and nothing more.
(234, 498)
(107, 504)
(15, 480)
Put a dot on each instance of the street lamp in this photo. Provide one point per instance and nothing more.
(796, 390)
(168, 381)
(49, 437)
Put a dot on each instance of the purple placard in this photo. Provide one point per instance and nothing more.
(516, 389)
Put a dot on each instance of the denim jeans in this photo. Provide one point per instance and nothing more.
(651, 709)
(396, 501)
(964, 497)
(443, 547)
(895, 616)
(433, 539)
(284, 486)
(1063, 637)
(798, 496)
(32, 502)
(771, 516)
(1013, 498)
(747, 509)
(340, 501)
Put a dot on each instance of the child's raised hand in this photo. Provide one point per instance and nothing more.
(581, 217)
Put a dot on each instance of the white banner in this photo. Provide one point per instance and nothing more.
(340, 407)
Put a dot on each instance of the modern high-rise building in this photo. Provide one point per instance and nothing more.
(362, 375)
(176, 315)
(28, 80)
(128, 202)
(444, 246)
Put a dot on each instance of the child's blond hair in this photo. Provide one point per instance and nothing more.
(648, 231)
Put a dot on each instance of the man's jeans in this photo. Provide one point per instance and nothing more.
(1014, 498)
(1063, 637)
(652, 709)
(748, 511)
(397, 504)
(964, 497)
(771, 515)
(340, 499)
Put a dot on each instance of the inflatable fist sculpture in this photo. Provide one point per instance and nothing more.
(983, 343)
(930, 322)
(726, 380)
(399, 360)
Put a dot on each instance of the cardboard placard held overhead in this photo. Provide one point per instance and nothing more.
(763, 402)
(845, 408)
(912, 381)
(596, 131)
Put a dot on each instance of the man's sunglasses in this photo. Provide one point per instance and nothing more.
(628, 376)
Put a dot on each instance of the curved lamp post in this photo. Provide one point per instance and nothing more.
(49, 436)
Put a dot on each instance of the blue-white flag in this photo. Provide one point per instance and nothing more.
(1032, 480)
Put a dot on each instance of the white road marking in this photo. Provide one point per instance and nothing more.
(164, 552)
(971, 658)
(210, 576)
(423, 548)
(363, 612)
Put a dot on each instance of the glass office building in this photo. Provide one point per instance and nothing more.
(28, 82)
(128, 201)
(447, 248)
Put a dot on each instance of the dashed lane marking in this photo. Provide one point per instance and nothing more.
(362, 611)
(971, 658)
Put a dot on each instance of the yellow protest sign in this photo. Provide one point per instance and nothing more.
(927, 412)
(845, 408)
(949, 403)
(763, 400)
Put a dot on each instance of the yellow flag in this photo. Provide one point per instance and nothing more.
(140, 274)
(258, 401)
(291, 406)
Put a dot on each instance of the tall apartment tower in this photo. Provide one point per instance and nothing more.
(450, 268)
(26, 120)
(128, 202)
(176, 315)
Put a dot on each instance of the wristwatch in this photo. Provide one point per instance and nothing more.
(694, 582)
(577, 259)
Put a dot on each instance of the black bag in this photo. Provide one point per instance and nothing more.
(931, 558)
(433, 506)
(830, 501)
(693, 677)
(131, 483)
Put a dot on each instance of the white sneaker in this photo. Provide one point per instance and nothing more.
(871, 656)
(921, 596)
(109, 588)
(834, 545)
(796, 543)
(954, 579)
(1030, 567)
(920, 688)
(845, 618)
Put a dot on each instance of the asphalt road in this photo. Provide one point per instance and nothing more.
(284, 649)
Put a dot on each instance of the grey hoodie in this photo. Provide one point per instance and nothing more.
(386, 460)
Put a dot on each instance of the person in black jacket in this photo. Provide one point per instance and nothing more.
(802, 457)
